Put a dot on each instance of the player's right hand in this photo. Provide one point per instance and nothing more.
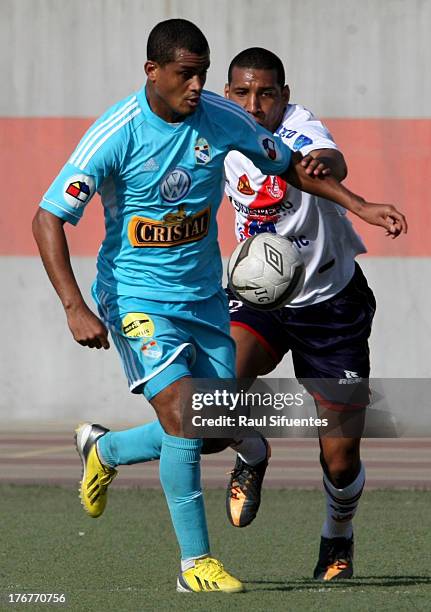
(385, 215)
(87, 329)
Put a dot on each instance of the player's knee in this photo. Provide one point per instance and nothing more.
(342, 467)
(168, 405)
(342, 475)
(172, 424)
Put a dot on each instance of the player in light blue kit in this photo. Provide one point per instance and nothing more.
(157, 158)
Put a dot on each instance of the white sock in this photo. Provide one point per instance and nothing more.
(188, 563)
(341, 505)
(251, 450)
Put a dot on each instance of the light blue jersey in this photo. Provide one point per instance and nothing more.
(161, 185)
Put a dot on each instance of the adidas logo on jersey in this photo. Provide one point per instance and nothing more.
(150, 165)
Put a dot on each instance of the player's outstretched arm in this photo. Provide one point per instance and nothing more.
(326, 186)
(86, 328)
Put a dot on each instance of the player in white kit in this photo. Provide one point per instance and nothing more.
(326, 326)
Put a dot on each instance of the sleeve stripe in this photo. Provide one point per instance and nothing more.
(230, 107)
(61, 208)
(99, 133)
(100, 128)
(106, 136)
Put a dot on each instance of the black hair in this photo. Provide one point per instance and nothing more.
(173, 34)
(260, 59)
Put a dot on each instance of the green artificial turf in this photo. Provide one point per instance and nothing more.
(128, 558)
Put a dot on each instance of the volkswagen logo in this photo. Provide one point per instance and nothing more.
(175, 185)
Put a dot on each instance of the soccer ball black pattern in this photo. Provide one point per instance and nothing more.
(266, 271)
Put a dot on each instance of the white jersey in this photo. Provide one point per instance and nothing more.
(317, 227)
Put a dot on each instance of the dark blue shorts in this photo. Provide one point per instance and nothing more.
(328, 340)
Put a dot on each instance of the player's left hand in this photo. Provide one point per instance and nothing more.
(314, 167)
(384, 215)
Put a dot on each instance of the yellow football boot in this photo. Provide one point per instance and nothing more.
(208, 575)
(96, 477)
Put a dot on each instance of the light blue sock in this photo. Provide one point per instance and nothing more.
(135, 445)
(180, 476)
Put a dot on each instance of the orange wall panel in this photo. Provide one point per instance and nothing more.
(389, 161)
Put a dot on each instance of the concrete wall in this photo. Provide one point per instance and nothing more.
(344, 58)
(45, 374)
(363, 65)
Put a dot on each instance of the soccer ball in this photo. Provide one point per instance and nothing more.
(266, 271)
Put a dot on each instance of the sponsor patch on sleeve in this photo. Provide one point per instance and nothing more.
(78, 190)
(301, 141)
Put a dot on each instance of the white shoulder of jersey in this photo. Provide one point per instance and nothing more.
(304, 132)
(296, 114)
(299, 129)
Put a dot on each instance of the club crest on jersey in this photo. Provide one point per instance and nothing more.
(244, 185)
(202, 151)
(175, 228)
(137, 325)
(273, 188)
(269, 147)
(175, 185)
(78, 189)
(301, 141)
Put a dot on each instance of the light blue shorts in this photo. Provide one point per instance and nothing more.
(160, 342)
